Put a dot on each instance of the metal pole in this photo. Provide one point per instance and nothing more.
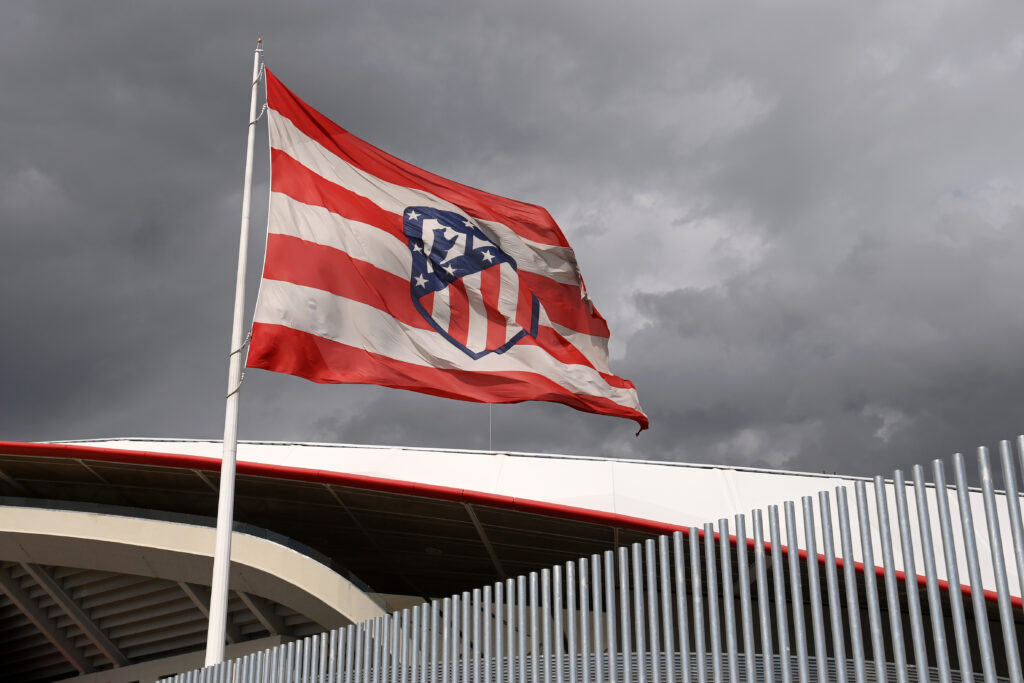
(499, 600)
(521, 627)
(609, 602)
(487, 617)
(931, 576)
(432, 657)
(638, 616)
(814, 589)
(746, 607)
(664, 566)
(679, 580)
(796, 593)
(1013, 507)
(414, 648)
(595, 604)
(995, 543)
(396, 660)
(476, 644)
(698, 605)
(892, 591)
(728, 600)
(984, 640)
(625, 620)
(763, 598)
(332, 660)
(850, 581)
(545, 620)
(350, 647)
(446, 615)
(584, 592)
(369, 649)
(380, 630)
(870, 581)
(652, 611)
(956, 604)
(714, 627)
(215, 633)
(910, 573)
(534, 630)
(832, 585)
(570, 616)
(467, 635)
(779, 584)
(559, 633)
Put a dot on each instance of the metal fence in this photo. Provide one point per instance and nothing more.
(862, 585)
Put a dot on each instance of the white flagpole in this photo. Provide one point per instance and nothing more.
(226, 506)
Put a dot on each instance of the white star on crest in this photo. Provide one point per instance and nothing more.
(448, 269)
(412, 215)
(488, 256)
(420, 281)
(468, 223)
(417, 248)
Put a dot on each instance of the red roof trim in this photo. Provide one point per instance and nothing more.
(194, 462)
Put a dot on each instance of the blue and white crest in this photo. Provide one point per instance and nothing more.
(464, 285)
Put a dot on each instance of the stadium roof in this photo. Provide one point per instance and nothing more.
(394, 521)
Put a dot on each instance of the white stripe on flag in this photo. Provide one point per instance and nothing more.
(361, 326)
(476, 339)
(442, 311)
(508, 300)
(359, 240)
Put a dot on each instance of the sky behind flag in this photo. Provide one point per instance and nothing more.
(802, 222)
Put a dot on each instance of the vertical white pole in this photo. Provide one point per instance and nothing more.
(225, 508)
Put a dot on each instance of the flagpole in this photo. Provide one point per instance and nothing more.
(217, 627)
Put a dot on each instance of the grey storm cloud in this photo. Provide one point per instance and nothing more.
(802, 221)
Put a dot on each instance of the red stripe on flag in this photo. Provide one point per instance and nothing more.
(458, 303)
(524, 307)
(490, 291)
(309, 264)
(530, 221)
(282, 349)
(565, 305)
(290, 177)
(427, 301)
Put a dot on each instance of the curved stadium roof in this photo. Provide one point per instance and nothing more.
(399, 522)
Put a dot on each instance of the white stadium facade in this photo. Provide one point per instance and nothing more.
(106, 551)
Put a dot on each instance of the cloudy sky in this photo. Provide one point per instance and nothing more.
(803, 221)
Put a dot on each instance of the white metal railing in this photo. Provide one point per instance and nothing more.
(883, 601)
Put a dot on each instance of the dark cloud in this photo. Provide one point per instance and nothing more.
(802, 221)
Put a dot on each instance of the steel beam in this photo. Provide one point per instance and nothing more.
(24, 602)
(264, 612)
(486, 541)
(13, 483)
(200, 597)
(71, 607)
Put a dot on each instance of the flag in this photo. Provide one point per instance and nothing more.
(378, 272)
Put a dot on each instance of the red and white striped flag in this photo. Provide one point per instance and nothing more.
(378, 272)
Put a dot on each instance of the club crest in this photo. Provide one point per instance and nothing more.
(464, 285)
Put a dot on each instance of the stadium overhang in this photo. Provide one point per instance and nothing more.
(398, 539)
